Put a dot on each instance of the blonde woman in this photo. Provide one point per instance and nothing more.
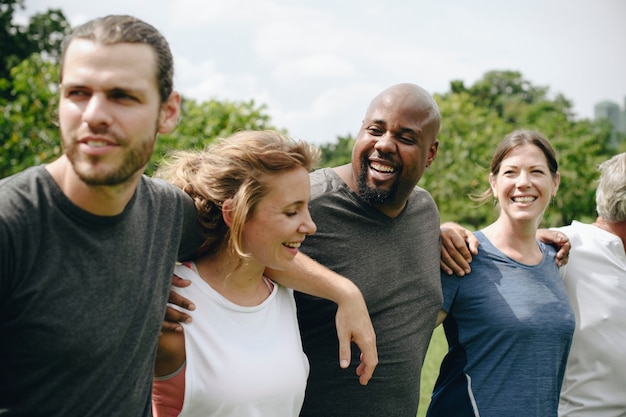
(242, 355)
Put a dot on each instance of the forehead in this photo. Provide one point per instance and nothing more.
(399, 113)
(288, 187)
(109, 65)
(525, 154)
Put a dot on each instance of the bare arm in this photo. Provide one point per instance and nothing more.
(352, 320)
(307, 276)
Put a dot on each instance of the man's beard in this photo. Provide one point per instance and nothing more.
(371, 195)
(132, 161)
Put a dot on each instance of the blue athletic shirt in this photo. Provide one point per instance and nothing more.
(509, 329)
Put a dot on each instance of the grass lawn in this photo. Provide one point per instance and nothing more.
(436, 351)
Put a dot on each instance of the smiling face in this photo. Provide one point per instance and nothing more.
(397, 141)
(281, 220)
(110, 110)
(524, 184)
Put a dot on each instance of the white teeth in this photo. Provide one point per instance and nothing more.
(96, 143)
(524, 199)
(294, 245)
(382, 168)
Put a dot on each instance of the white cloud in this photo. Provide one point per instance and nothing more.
(317, 64)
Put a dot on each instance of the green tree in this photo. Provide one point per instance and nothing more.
(475, 119)
(467, 139)
(202, 123)
(28, 132)
(338, 153)
(43, 34)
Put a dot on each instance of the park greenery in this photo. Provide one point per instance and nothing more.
(475, 118)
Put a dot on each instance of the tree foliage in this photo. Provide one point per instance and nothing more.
(339, 153)
(475, 119)
(43, 35)
(202, 123)
(29, 133)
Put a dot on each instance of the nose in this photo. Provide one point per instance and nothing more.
(385, 143)
(96, 113)
(307, 227)
(523, 179)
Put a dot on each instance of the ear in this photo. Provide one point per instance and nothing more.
(227, 212)
(432, 153)
(492, 184)
(169, 113)
(557, 182)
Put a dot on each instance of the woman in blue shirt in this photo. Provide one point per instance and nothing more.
(508, 323)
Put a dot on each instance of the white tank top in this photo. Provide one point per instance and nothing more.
(242, 361)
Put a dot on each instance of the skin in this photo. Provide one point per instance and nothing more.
(272, 235)
(459, 244)
(109, 114)
(396, 143)
(523, 186)
(281, 221)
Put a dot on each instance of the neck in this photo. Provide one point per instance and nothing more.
(516, 241)
(98, 200)
(618, 229)
(241, 284)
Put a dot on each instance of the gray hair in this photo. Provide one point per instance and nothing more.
(611, 191)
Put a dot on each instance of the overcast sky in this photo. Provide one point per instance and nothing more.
(317, 64)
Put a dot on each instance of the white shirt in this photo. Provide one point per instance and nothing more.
(242, 361)
(595, 280)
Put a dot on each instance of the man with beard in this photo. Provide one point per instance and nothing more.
(381, 231)
(88, 243)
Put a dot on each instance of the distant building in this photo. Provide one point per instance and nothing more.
(611, 111)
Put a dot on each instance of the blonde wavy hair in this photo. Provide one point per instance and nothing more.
(238, 168)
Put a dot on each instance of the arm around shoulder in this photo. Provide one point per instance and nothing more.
(352, 320)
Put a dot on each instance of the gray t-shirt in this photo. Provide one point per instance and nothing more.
(82, 297)
(395, 263)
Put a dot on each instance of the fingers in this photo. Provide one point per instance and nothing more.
(368, 357)
(562, 256)
(455, 254)
(472, 243)
(453, 262)
(366, 367)
(560, 241)
(354, 325)
(174, 316)
(180, 282)
(180, 301)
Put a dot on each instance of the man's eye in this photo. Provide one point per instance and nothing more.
(122, 96)
(75, 93)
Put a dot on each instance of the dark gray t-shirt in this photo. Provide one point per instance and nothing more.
(395, 263)
(82, 297)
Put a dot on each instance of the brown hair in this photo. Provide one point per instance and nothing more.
(114, 29)
(511, 141)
